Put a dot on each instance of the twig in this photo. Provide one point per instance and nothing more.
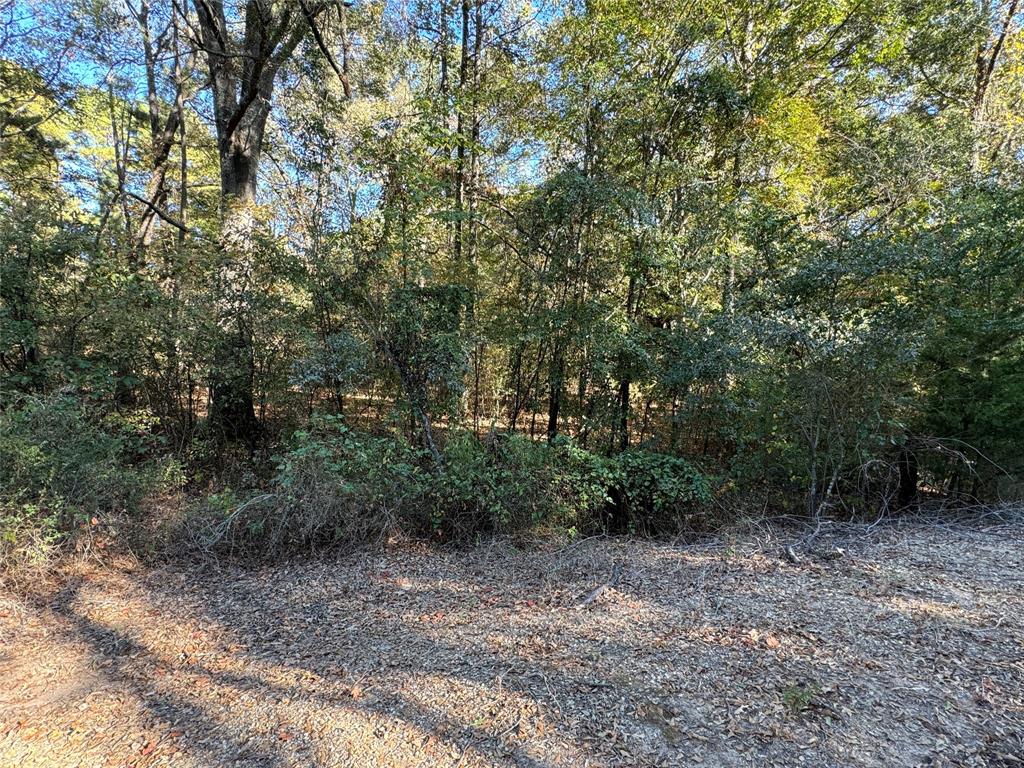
(222, 527)
(598, 591)
(791, 555)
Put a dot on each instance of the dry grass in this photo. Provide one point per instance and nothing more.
(907, 650)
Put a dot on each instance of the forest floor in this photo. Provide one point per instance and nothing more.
(905, 648)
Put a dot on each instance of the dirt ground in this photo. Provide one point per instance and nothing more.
(904, 648)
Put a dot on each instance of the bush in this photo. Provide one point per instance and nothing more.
(476, 491)
(333, 486)
(580, 486)
(64, 471)
(338, 486)
(512, 483)
(655, 492)
(509, 483)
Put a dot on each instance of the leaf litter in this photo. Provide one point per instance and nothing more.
(908, 649)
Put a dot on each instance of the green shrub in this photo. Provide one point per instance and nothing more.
(337, 486)
(64, 470)
(657, 492)
(474, 492)
(509, 483)
(512, 483)
(333, 485)
(580, 486)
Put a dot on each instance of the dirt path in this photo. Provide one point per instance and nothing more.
(907, 650)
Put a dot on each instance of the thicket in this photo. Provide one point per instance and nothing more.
(615, 266)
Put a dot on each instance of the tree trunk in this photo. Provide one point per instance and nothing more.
(625, 378)
(232, 410)
(908, 493)
(556, 375)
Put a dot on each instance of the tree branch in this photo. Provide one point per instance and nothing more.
(162, 214)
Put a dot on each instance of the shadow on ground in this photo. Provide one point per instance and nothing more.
(904, 651)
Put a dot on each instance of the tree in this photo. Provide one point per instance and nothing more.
(243, 70)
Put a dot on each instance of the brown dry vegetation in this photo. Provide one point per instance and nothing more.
(905, 650)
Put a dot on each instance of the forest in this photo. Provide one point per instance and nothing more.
(283, 276)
